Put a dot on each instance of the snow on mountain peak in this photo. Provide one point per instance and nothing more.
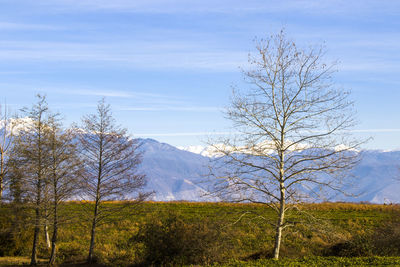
(15, 126)
(265, 147)
(207, 151)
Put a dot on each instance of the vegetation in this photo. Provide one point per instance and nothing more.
(291, 129)
(110, 161)
(32, 158)
(182, 233)
(43, 164)
(292, 139)
(319, 261)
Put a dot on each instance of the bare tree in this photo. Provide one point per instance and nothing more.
(32, 150)
(292, 132)
(17, 192)
(6, 141)
(110, 160)
(64, 171)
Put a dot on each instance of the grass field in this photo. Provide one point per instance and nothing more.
(18, 261)
(303, 262)
(211, 233)
(319, 261)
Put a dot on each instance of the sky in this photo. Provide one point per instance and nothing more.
(167, 67)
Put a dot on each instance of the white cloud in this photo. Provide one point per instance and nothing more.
(220, 6)
(87, 92)
(234, 133)
(142, 55)
(26, 26)
(375, 131)
(172, 108)
(182, 134)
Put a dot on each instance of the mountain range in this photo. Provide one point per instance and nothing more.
(178, 174)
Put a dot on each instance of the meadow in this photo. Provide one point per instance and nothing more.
(216, 234)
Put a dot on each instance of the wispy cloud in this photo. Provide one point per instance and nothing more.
(233, 133)
(181, 134)
(221, 6)
(173, 108)
(376, 131)
(143, 55)
(377, 66)
(138, 101)
(27, 26)
(89, 92)
(106, 93)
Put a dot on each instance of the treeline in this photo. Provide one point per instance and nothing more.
(44, 164)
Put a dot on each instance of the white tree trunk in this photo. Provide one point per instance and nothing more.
(279, 225)
(46, 235)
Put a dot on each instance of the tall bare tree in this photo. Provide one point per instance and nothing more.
(110, 160)
(64, 172)
(33, 160)
(6, 140)
(292, 129)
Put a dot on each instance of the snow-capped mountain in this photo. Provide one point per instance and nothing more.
(179, 173)
(175, 174)
(206, 151)
(172, 173)
(266, 147)
(15, 126)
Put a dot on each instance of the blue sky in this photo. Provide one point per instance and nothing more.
(167, 67)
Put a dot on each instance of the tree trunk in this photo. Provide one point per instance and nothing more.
(53, 247)
(281, 216)
(282, 199)
(1, 175)
(35, 237)
(54, 237)
(37, 222)
(97, 202)
(46, 233)
(279, 227)
(93, 234)
(1, 188)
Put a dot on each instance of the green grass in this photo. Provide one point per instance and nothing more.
(318, 261)
(317, 227)
(302, 262)
(18, 261)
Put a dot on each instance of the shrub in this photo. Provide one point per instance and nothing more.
(360, 246)
(384, 240)
(171, 240)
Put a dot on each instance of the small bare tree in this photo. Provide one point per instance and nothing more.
(33, 159)
(292, 129)
(110, 161)
(6, 141)
(64, 172)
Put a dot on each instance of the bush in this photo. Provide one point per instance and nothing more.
(70, 252)
(170, 240)
(360, 246)
(384, 240)
(7, 243)
(14, 243)
(15, 238)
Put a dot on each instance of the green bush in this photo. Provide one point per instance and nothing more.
(7, 243)
(171, 240)
(383, 240)
(386, 238)
(360, 246)
(70, 252)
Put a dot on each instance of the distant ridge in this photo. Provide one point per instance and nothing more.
(175, 174)
(178, 173)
